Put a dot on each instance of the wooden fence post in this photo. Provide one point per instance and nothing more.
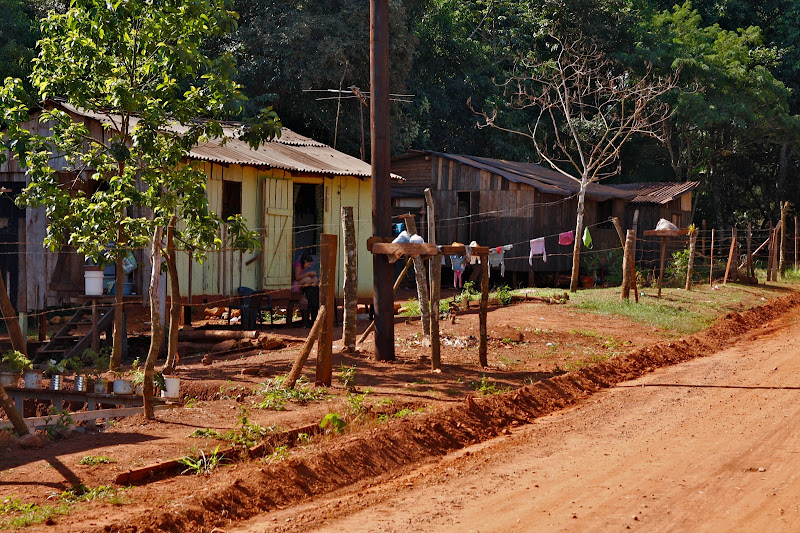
(483, 349)
(730, 256)
(324, 373)
(795, 242)
(770, 240)
(690, 269)
(423, 292)
(628, 273)
(711, 261)
(750, 271)
(435, 272)
(661, 269)
(350, 279)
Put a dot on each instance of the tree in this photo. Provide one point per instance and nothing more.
(141, 68)
(585, 108)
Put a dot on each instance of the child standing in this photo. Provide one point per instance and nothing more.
(458, 269)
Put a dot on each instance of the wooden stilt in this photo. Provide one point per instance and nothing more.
(483, 349)
(711, 261)
(435, 282)
(327, 280)
(730, 256)
(690, 269)
(661, 268)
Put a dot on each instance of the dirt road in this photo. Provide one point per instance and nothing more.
(708, 445)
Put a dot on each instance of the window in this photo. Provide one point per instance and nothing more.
(231, 198)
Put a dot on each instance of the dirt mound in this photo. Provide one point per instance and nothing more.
(408, 440)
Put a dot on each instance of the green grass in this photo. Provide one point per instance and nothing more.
(275, 398)
(94, 460)
(28, 514)
(107, 493)
(680, 312)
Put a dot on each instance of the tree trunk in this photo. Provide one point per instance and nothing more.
(157, 330)
(576, 249)
(10, 316)
(116, 350)
(175, 307)
(13, 415)
(423, 293)
(350, 279)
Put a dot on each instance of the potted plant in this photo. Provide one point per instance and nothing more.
(171, 387)
(12, 364)
(124, 379)
(137, 375)
(75, 365)
(55, 371)
(97, 364)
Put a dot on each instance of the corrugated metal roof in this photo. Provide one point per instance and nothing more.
(657, 192)
(537, 176)
(292, 151)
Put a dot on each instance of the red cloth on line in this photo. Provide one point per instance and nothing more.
(566, 238)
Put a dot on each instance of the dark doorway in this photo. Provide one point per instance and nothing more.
(10, 219)
(308, 217)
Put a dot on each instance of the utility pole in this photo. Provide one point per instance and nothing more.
(383, 297)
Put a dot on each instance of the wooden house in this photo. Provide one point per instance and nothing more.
(496, 202)
(291, 190)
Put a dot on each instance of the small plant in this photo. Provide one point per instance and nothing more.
(55, 368)
(347, 375)
(468, 293)
(333, 423)
(303, 439)
(355, 405)
(96, 362)
(203, 465)
(73, 364)
(504, 295)
(64, 422)
(94, 460)
(14, 361)
(205, 433)
(279, 454)
(191, 403)
(246, 434)
(275, 397)
(486, 387)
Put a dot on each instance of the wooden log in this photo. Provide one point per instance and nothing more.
(711, 261)
(620, 234)
(661, 269)
(730, 256)
(324, 373)
(484, 340)
(350, 279)
(397, 283)
(435, 272)
(302, 357)
(215, 335)
(627, 271)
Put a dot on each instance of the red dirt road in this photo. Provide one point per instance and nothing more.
(708, 445)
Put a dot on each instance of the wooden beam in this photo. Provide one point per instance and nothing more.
(302, 357)
(435, 272)
(324, 373)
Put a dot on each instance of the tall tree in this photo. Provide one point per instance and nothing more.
(584, 108)
(140, 67)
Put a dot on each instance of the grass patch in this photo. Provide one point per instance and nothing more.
(486, 387)
(28, 514)
(106, 493)
(94, 460)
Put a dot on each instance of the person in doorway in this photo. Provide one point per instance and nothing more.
(306, 281)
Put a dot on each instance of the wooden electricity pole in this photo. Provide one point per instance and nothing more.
(327, 282)
(383, 298)
(350, 279)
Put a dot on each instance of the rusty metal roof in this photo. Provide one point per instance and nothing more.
(657, 192)
(292, 151)
(541, 178)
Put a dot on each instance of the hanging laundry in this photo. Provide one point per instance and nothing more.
(537, 248)
(497, 259)
(566, 238)
(457, 263)
(473, 259)
(587, 238)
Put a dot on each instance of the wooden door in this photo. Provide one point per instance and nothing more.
(276, 233)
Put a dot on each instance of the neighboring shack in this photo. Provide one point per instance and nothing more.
(496, 202)
(291, 190)
(671, 201)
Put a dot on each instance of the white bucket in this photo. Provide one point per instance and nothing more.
(8, 379)
(123, 386)
(173, 385)
(33, 379)
(93, 282)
